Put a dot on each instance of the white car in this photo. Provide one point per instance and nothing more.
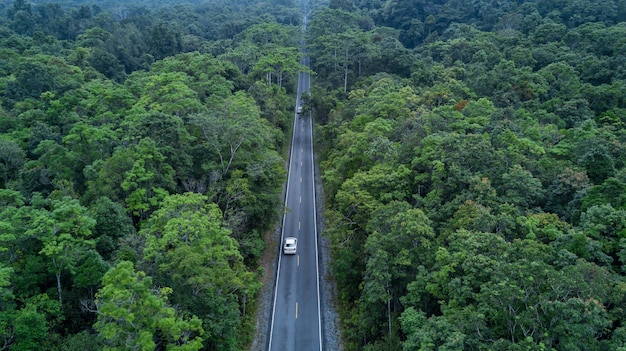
(291, 245)
(299, 109)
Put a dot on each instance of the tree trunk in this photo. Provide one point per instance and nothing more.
(389, 316)
(345, 80)
(244, 304)
(345, 73)
(57, 274)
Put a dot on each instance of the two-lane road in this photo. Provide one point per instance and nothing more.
(296, 320)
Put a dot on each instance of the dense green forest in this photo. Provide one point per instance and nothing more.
(473, 158)
(473, 155)
(142, 152)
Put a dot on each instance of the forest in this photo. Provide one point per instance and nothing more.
(473, 160)
(142, 153)
(472, 154)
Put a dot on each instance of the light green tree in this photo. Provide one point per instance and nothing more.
(134, 315)
(64, 232)
(279, 63)
(400, 241)
(232, 130)
(342, 55)
(194, 253)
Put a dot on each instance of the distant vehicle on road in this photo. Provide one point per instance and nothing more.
(299, 109)
(291, 246)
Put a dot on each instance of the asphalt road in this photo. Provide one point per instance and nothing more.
(296, 322)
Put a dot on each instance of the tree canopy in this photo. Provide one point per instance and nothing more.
(473, 194)
(141, 162)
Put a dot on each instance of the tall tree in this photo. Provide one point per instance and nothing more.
(12, 158)
(136, 175)
(194, 253)
(63, 231)
(279, 63)
(400, 240)
(133, 314)
(341, 54)
(232, 130)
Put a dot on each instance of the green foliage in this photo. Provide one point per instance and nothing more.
(43, 74)
(5, 283)
(610, 192)
(280, 63)
(165, 92)
(30, 330)
(112, 224)
(400, 240)
(56, 231)
(193, 252)
(136, 175)
(99, 126)
(244, 165)
(434, 333)
(506, 136)
(269, 50)
(133, 314)
(12, 158)
(32, 326)
(83, 341)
